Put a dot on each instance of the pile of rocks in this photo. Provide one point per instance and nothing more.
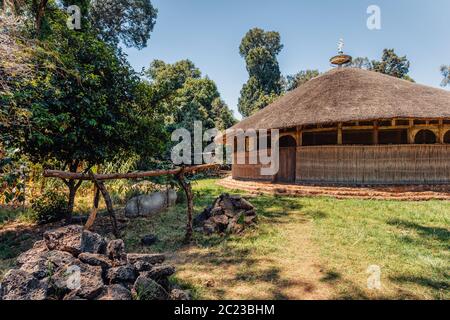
(228, 214)
(75, 264)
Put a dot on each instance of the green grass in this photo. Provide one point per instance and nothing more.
(410, 242)
(302, 248)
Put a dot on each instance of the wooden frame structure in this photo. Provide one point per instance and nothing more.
(98, 180)
(374, 152)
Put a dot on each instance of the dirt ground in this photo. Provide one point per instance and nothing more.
(406, 193)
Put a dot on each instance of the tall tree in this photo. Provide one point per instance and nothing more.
(445, 71)
(300, 78)
(260, 49)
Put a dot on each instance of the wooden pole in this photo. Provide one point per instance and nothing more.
(190, 203)
(133, 175)
(93, 214)
(108, 203)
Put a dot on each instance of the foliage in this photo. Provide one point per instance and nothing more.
(390, 64)
(361, 63)
(49, 207)
(126, 21)
(445, 71)
(186, 96)
(13, 171)
(84, 104)
(259, 49)
(300, 78)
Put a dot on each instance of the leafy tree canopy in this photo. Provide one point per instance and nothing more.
(187, 96)
(445, 71)
(390, 64)
(300, 78)
(260, 48)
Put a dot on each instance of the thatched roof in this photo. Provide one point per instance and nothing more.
(350, 94)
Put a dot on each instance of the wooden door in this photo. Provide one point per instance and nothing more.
(286, 172)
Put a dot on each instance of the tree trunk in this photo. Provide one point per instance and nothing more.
(42, 5)
(190, 204)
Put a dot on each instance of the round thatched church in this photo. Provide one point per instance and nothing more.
(356, 127)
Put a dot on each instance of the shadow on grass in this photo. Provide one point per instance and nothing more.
(423, 281)
(438, 233)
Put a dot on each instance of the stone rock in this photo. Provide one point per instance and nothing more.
(44, 264)
(220, 222)
(116, 250)
(149, 204)
(250, 219)
(178, 294)
(229, 213)
(92, 242)
(209, 228)
(64, 239)
(143, 266)
(160, 272)
(21, 285)
(115, 292)
(95, 259)
(121, 274)
(245, 205)
(83, 280)
(132, 208)
(149, 240)
(148, 289)
(39, 247)
(155, 258)
(202, 217)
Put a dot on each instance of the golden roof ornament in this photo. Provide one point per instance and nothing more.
(341, 59)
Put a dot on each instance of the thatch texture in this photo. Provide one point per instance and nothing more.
(350, 94)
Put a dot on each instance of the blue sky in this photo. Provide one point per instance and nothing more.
(208, 32)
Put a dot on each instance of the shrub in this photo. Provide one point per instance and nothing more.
(49, 207)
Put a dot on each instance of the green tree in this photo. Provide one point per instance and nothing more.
(300, 78)
(445, 71)
(392, 64)
(186, 96)
(361, 63)
(260, 49)
(84, 104)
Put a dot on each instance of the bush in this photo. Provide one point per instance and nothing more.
(49, 207)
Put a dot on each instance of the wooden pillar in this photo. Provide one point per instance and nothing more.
(375, 133)
(441, 132)
(339, 138)
(410, 132)
(299, 136)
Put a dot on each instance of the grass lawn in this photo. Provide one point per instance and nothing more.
(306, 248)
(311, 248)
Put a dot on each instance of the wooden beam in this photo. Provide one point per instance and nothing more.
(339, 137)
(375, 133)
(133, 175)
